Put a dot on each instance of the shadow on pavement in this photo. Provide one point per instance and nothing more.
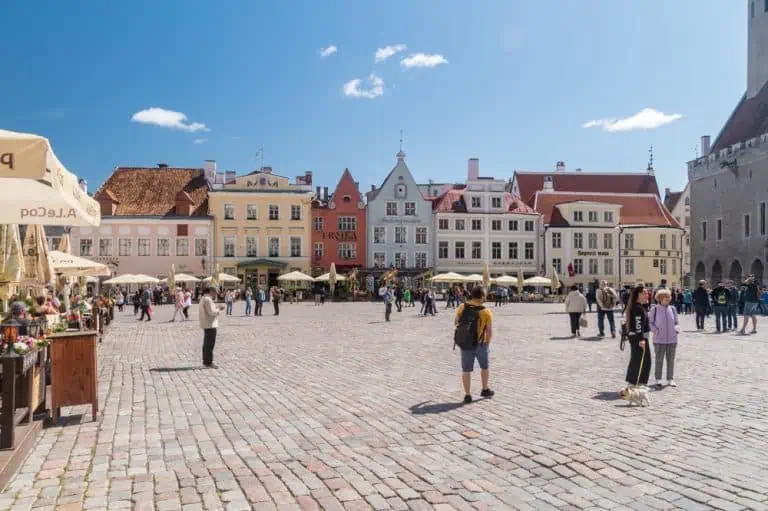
(424, 409)
(592, 339)
(607, 396)
(174, 369)
(566, 338)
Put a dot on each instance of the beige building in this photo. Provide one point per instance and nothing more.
(261, 224)
(679, 204)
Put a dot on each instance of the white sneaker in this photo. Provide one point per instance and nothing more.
(660, 383)
(672, 383)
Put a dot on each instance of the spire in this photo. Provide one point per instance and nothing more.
(650, 160)
(401, 153)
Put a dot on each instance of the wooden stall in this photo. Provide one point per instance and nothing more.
(73, 371)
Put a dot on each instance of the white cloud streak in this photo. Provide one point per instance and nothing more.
(352, 88)
(167, 119)
(645, 119)
(327, 52)
(383, 54)
(199, 141)
(415, 60)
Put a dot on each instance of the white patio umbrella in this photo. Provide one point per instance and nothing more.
(70, 265)
(326, 276)
(475, 277)
(121, 279)
(537, 281)
(449, 277)
(296, 276)
(221, 278)
(505, 280)
(140, 278)
(183, 277)
(35, 188)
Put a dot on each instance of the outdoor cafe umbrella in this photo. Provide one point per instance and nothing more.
(183, 277)
(140, 278)
(505, 280)
(69, 265)
(218, 278)
(332, 278)
(475, 277)
(172, 278)
(555, 279)
(38, 269)
(35, 188)
(64, 244)
(325, 277)
(449, 277)
(126, 278)
(486, 277)
(538, 281)
(295, 276)
(11, 261)
(520, 281)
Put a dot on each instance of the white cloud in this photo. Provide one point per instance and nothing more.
(645, 119)
(199, 141)
(422, 60)
(327, 52)
(383, 54)
(352, 88)
(167, 119)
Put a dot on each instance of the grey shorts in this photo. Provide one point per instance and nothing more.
(480, 352)
(751, 309)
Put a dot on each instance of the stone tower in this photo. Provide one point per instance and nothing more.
(757, 71)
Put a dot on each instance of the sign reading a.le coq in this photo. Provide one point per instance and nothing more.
(7, 160)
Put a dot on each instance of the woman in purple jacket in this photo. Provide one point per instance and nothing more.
(664, 326)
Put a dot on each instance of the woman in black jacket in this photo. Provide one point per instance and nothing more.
(638, 330)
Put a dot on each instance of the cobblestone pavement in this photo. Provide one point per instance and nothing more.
(331, 408)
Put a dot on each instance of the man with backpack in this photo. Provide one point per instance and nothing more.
(474, 331)
(606, 302)
(720, 297)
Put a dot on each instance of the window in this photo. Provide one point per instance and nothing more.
(182, 230)
(347, 223)
(182, 247)
(513, 225)
(442, 224)
(105, 247)
(86, 247)
(401, 260)
(421, 259)
(762, 218)
(578, 240)
(592, 241)
(379, 260)
(557, 240)
(274, 247)
(124, 247)
(529, 226)
(401, 234)
(458, 225)
(496, 250)
(295, 247)
(145, 247)
(593, 216)
(201, 247)
(251, 211)
(674, 266)
(608, 266)
(347, 250)
(608, 217)
(410, 209)
(379, 235)
(674, 242)
(748, 224)
(477, 224)
(295, 212)
(318, 224)
(629, 266)
(53, 243)
(163, 247)
(593, 267)
(607, 241)
(476, 202)
(529, 251)
(251, 246)
(578, 266)
(687, 221)
(391, 208)
(442, 250)
(477, 250)
(663, 241)
(719, 230)
(229, 211)
(578, 216)
(421, 235)
(274, 212)
(512, 250)
(229, 246)
(496, 202)
(496, 225)
(704, 230)
(629, 241)
(459, 250)
(655, 263)
(557, 264)
(318, 250)
(766, 6)
(663, 266)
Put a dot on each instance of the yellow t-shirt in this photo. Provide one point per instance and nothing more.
(485, 317)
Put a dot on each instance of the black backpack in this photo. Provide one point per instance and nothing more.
(465, 336)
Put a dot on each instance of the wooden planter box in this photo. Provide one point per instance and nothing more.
(74, 372)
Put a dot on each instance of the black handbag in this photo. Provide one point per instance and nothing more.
(624, 336)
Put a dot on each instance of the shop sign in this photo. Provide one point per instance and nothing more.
(340, 235)
(48, 212)
(593, 253)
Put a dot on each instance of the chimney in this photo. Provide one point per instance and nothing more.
(473, 169)
(325, 193)
(549, 185)
(107, 202)
(373, 188)
(560, 166)
(308, 178)
(209, 170)
(317, 193)
(666, 193)
(183, 204)
(229, 177)
(705, 147)
(162, 165)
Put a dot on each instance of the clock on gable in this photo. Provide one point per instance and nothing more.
(401, 191)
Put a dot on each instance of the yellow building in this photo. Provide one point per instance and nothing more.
(621, 238)
(261, 224)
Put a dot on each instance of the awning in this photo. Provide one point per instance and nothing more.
(72, 266)
(261, 262)
(35, 188)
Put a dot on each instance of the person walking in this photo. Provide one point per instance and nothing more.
(473, 335)
(638, 329)
(275, 294)
(260, 299)
(663, 320)
(208, 315)
(733, 306)
(399, 297)
(120, 301)
(606, 302)
(751, 304)
(385, 292)
(178, 304)
(146, 304)
(720, 296)
(229, 301)
(407, 297)
(575, 306)
(248, 301)
(136, 303)
(187, 304)
(688, 301)
(591, 297)
(701, 304)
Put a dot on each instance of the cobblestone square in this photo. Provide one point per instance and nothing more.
(332, 408)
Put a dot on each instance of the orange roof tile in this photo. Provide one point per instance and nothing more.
(636, 209)
(528, 183)
(452, 201)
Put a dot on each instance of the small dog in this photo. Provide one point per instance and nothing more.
(636, 396)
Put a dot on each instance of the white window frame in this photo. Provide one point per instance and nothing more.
(120, 251)
(476, 245)
(514, 226)
(479, 202)
(251, 211)
(90, 246)
(593, 217)
(269, 246)
(496, 223)
(593, 266)
(390, 208)
(294, 209)
(532, 246)
(557, 264)
(197, 248)
(347, 223)
(110, 243)
(480, 223)
(578, 240)
(746, 225)
(629, 266)
(409, 209)
(529, 226)
(318, 249)
(292, 246)
(274, 212)
(148, 247)
(229, 211)
(592, 241)
(663, 266)
(578, 216)
(607, 241)
(318, 224)
(182, 240)
(513, 251)
(224, 240)
(578, 266)
(441, 222)
(495, 200)
(383, 239)
(420, 255)
(425, 235)
(607, 266)
(460, 221)
(443, 245)
(346, 251)
(608, 217)
(463, 246)
(662, 241)
(168, 248)
(629, 241)
(255, 244)
(400, 259)
(496, 249)
(557, 240)
(403, 231)
(379, 259)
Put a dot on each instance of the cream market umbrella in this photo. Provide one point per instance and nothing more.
(505, 280)
(538, 281)
(332, 278)
(64, 244)
(555, 279)
(11, 261)
(295, 276)
(475, 277)
(449, 277)
(72, 266)
(183, 277)
(520, 281)
(119, 280)
(38, 270)
(486, 277)
(326, 276)
(220, 278)
(35, 188)
(172, 277)
(140, 278)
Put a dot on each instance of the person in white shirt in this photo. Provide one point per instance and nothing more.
(208, 314)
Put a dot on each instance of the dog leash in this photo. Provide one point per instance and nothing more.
(640, 371)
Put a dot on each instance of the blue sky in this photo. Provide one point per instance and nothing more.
(520, 81)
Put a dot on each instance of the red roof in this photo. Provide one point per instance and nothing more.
(748, 120)
(528, 183)
(636, 209)
(452, 201)
(671, 199)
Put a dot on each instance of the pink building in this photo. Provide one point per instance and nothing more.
(151, 218)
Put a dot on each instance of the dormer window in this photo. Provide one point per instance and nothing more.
(608, 217)
(578, 216)
(496, 202)
(593, 216)
(476, 202)
(401, 191)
